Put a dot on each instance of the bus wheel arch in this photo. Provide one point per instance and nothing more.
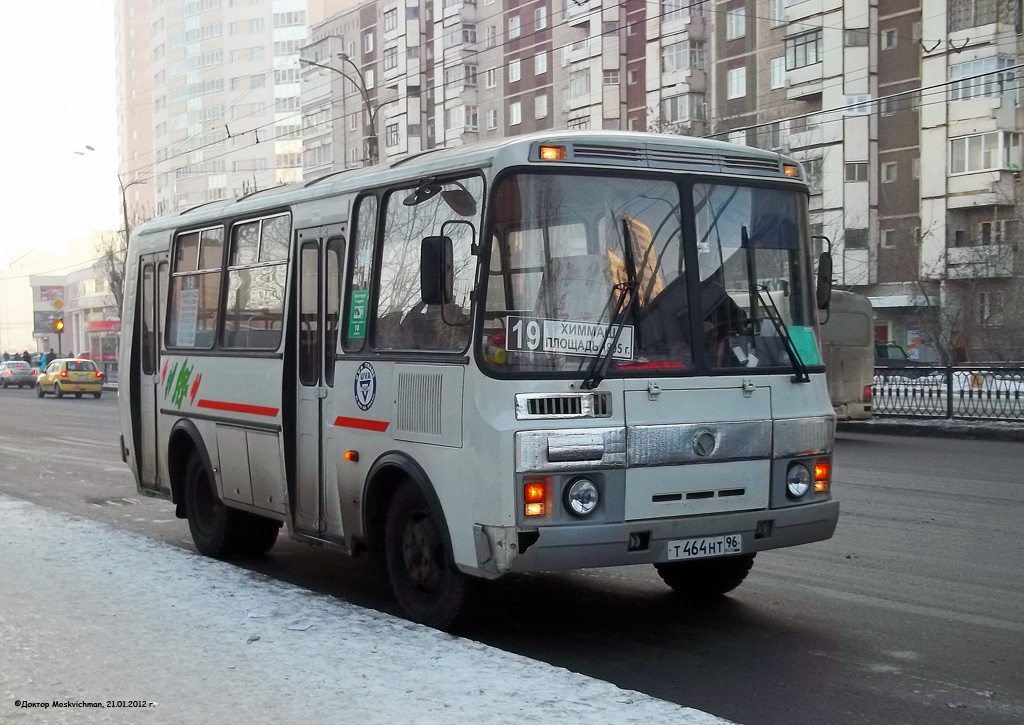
(184, 439)
(407, 529)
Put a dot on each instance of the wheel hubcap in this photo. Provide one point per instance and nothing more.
(422, 553)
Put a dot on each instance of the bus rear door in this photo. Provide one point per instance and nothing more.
(321, 258)
(152, 303)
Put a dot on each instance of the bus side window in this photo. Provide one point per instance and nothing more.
(357, 302)
(195, 289)
(404, 321)
(332, 304)
(257, 270)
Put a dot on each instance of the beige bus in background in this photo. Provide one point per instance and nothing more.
(848, 348)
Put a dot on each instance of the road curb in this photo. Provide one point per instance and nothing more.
(945, 430)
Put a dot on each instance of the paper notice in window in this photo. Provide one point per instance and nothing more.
(188, 315)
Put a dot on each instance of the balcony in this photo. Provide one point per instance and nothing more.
(982, 188)
(982, 262)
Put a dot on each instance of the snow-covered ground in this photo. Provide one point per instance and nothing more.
(89, 613)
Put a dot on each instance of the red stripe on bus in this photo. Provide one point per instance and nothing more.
(362, 423)
(237, 407)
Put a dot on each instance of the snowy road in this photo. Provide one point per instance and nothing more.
(91, 614)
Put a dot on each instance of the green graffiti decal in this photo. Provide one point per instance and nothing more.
(181, 384)
(169, 382)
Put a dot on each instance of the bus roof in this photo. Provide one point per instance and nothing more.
(622, 149)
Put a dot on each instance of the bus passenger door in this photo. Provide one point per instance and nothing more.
(152, 292)
(321, 257)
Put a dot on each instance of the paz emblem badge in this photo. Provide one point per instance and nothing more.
(365, 386)
(704, 443)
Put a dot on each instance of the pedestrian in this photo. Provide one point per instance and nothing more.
(26, 357)
(6, 357)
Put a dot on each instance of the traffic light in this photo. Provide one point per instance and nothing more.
(58, 325)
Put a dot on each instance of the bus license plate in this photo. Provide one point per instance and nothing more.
(704, 547)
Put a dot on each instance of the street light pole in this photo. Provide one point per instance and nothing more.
(369, 138)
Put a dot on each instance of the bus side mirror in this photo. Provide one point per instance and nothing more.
(436, 270)
(823, 293)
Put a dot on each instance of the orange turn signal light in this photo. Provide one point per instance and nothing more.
(352, 456)
(535, 494)
(552, 153)
(791, 170)
(822, 472)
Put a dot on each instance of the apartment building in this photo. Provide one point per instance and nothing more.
(854, 89)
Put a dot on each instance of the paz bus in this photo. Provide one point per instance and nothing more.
(848, 347)
(555, 351)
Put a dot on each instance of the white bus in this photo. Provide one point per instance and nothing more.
(847, 343)
(542, 353)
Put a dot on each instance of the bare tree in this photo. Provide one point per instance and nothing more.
(112, 252)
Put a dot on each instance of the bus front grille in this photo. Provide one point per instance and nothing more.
(531, 406)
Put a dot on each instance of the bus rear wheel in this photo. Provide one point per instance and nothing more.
(706, 578)
(256, 534)
(213, 525)
(425, 582)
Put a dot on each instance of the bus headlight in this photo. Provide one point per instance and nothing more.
(581, 497)
(798, 480)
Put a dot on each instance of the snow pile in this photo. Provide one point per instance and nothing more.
(90, 613)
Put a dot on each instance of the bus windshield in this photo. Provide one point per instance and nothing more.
(569, 252)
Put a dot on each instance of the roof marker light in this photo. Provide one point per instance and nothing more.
(791, 170)
(552, 153)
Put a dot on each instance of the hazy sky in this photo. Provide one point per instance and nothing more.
(58, 61)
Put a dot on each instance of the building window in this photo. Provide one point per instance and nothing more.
(675, 9)
(777, 12)
(540, 18)
(491, 78)
(611, 27)
(856, 238)
(682, 108)
(984, 152)
(738, 137)
(390, 58)
(540, 63)
(455, 118)
(812, 168)
(515, 113)
(963, 87)
(492, 35)
(472, 118)
(990, 308)
(367, 42)
(736, 83)
(803, 50)
(368, 78)
(888, 238)
(778, 133)
(610, 77)
(492, 119)
(735, 23)
(779, 72)
(390, 19)
(1001, 231)
(681, 56)
(889, 106)
(856, 171)
(514, 71)
(513, 27)
(579, 83)
(540, 108)
(889, 38)
(888, 172)
(856, 38)
(391, 135)
(915, 168)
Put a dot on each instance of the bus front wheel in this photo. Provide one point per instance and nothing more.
(425, 582)
(706, 578)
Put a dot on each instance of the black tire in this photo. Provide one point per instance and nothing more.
(57, 390)
(426, 583)
(78, 395)
(256, 534)
(705, 579)
(97, 395)
(39, 391)
(20, 386)
(213, 525)
(5, 385)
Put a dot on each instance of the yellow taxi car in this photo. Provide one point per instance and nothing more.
(70, 377)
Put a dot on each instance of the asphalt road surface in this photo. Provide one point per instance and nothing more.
(912, 613)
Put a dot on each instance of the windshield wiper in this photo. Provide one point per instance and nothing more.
(772, 311)
(599, 365)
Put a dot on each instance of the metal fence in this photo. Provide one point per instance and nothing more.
(973, 392)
